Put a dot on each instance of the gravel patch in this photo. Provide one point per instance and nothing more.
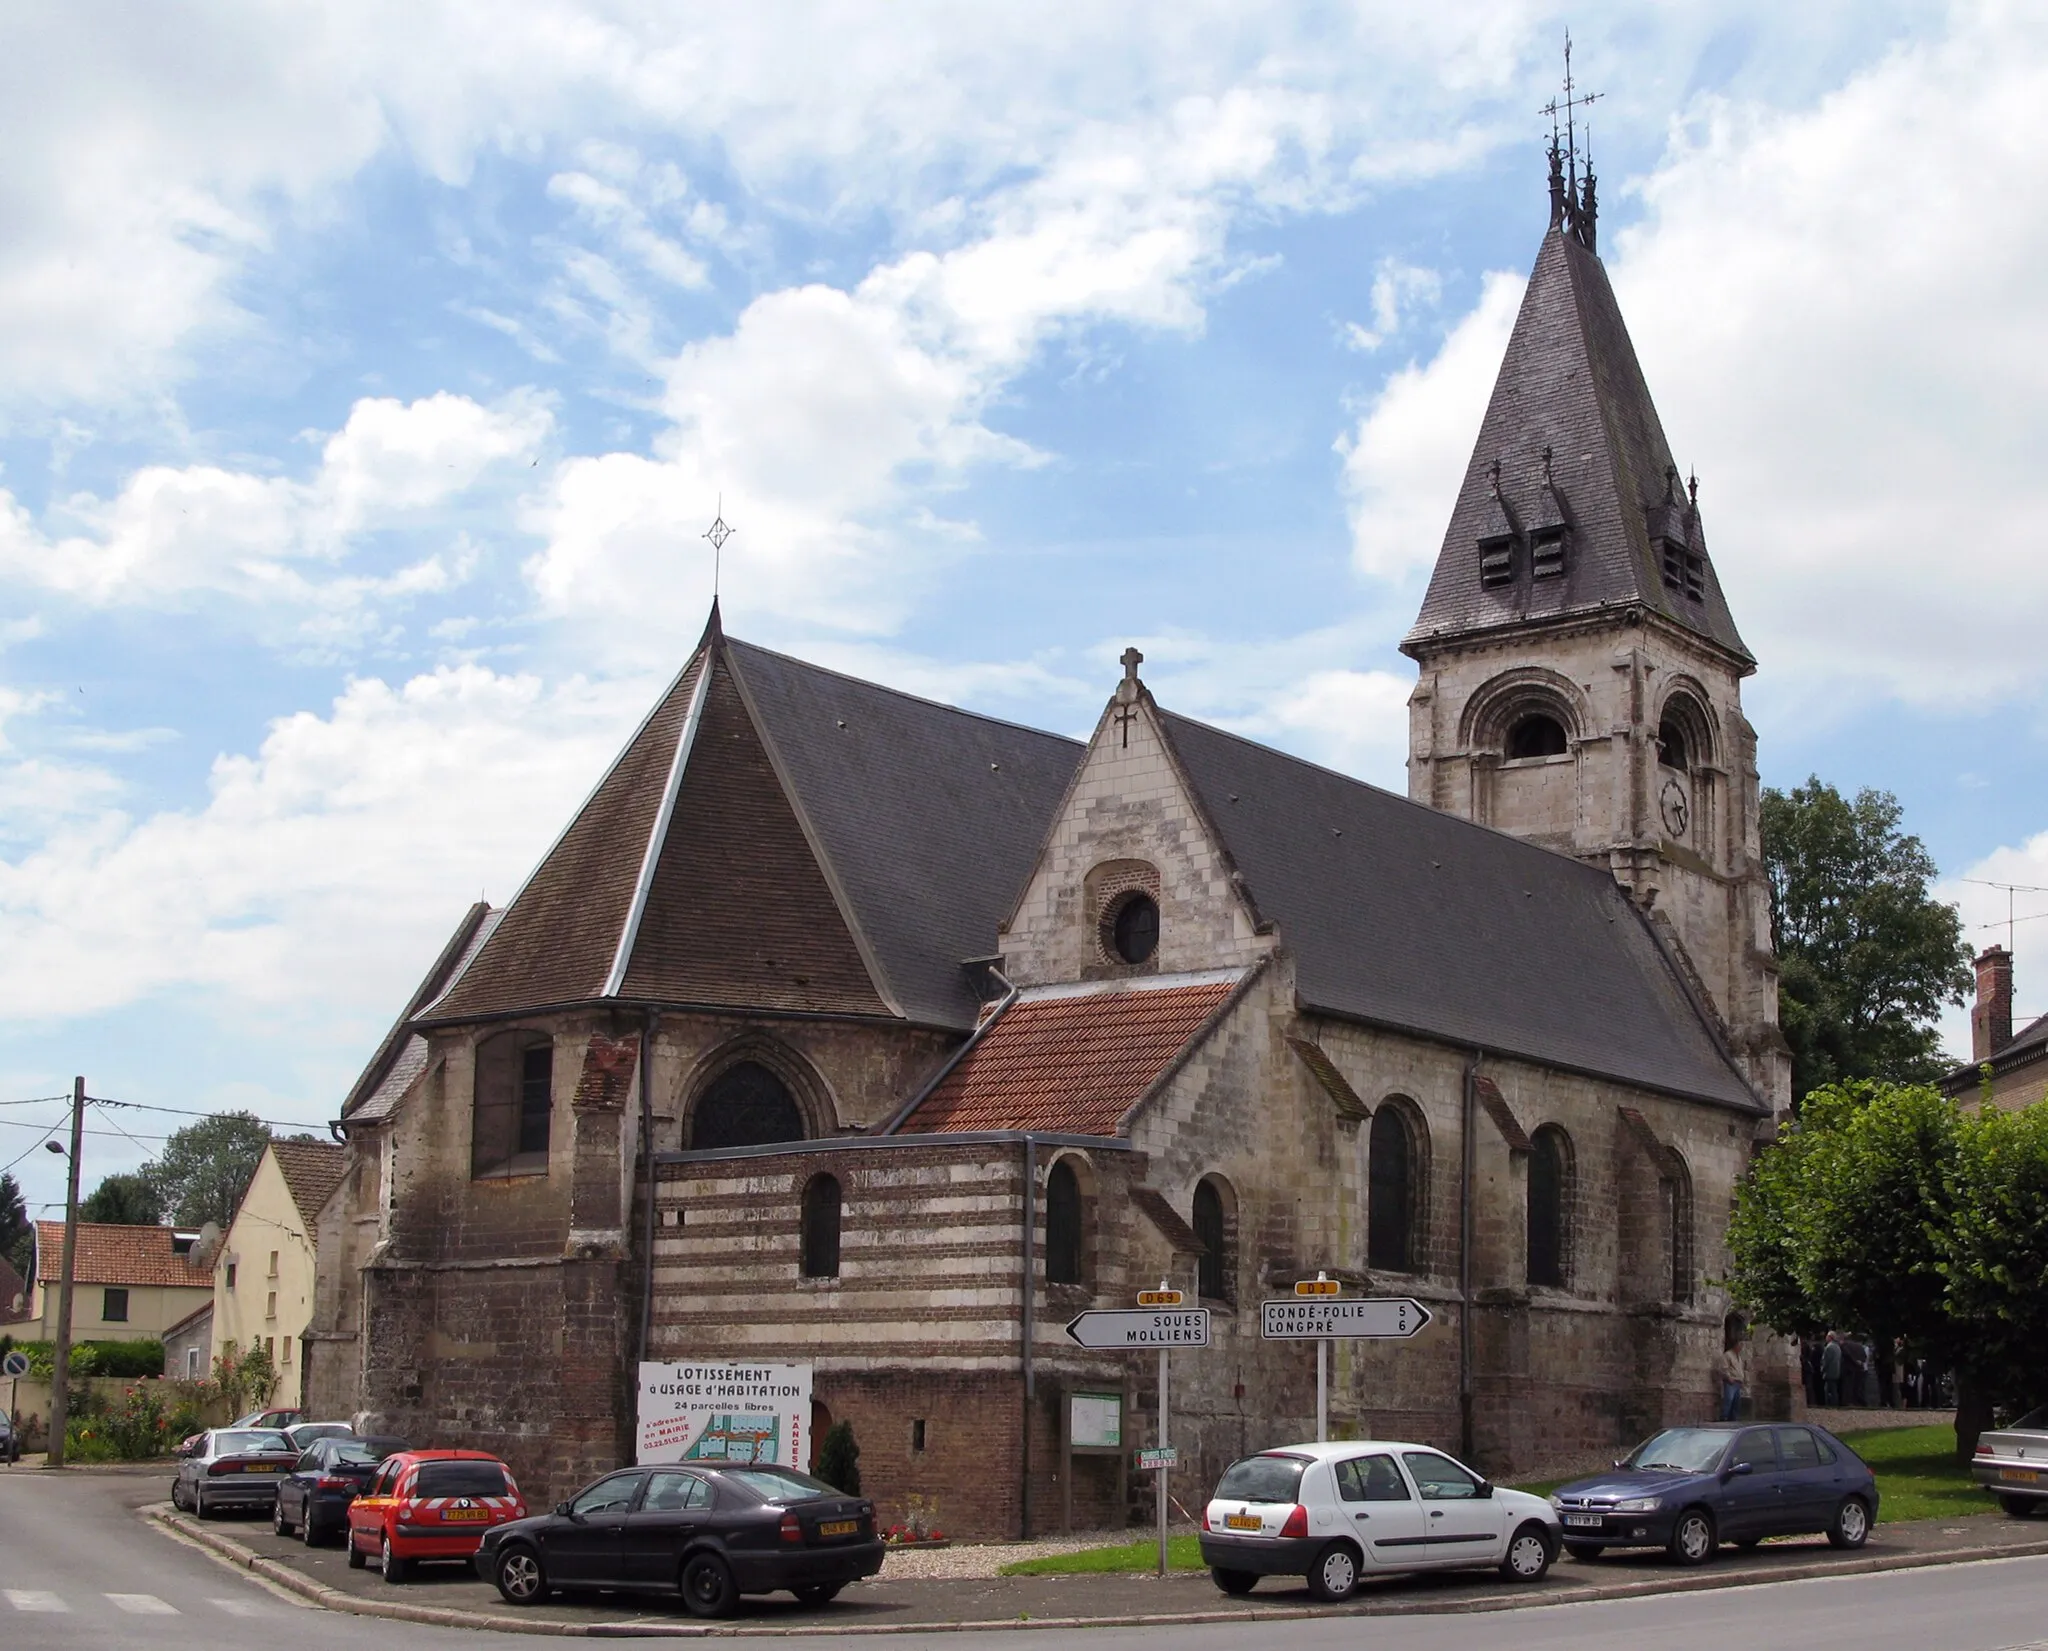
(975, 1560)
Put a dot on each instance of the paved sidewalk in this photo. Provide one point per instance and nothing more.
(451, 1595)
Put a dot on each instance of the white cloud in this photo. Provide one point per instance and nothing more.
(1985, 910)
(174, 533)
(1398, 290)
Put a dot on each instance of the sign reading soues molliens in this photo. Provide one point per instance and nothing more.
(725, 1413)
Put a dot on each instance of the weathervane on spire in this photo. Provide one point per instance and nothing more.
(717, 533)
(1573, 205)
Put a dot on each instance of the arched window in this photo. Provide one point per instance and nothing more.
(1550, 1172)
(1672, 749)
(511, 1125)
(1216, 1268)
(1390, 1192)
(1133, 928)
(821, 1227)
(746, 1106)
(1536, 734)
(1676, 1191)
(1062, 1225)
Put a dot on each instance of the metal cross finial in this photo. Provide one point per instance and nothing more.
(1577, 207)
(717, 533)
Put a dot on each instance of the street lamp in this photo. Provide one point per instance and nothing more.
(60, 1364)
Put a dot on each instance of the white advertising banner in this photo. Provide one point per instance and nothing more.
(725, 1413)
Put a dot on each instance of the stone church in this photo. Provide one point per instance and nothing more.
(843, 1027)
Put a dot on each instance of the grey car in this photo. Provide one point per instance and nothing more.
(232, 1467)
(2012, 1463)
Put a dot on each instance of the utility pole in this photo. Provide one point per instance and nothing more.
(60, 1372)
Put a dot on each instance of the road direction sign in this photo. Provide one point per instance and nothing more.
(1375, 1318)
(15, 1364)
(1153, 1458)
(1137, 1328)
(1160, 1298)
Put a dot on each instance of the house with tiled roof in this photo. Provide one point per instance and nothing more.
(127, 1283)
(265, 1271)
(844, 1029)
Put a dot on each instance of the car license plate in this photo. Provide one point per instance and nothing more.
(1582, 1519)
(2019, 1476)
(262, 1467)
(1243, 1522)
(839, 1527)
(451, 1514)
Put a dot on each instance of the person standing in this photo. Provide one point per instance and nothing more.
(1734, 1374)
(1831, 1371)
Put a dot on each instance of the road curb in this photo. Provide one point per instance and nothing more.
(334, 1599)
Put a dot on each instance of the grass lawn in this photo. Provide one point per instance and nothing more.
(1183, 1553)
(1918, 1476)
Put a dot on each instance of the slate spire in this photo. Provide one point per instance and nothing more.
(1570, 502)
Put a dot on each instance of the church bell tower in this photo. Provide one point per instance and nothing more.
(1580, 674)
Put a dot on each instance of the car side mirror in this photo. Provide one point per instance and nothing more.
(562, 1511)
(1736, 1470)
(1485, 1489)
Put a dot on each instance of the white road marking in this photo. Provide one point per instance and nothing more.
(240, 1607)
(144, 1605)
(33, 1599)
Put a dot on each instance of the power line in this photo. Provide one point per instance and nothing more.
(39, 1100)
(185, 1112)
(10, 1123)
(52, 1130)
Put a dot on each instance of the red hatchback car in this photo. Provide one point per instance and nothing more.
(430, 1504)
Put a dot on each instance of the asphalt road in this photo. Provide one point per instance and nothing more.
(80, 1571)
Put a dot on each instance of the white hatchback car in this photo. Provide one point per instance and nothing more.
(1335, 1513)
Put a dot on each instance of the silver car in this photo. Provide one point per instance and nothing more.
(232, 1467)
(2012, 1463)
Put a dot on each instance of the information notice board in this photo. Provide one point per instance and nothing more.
(735, 1413)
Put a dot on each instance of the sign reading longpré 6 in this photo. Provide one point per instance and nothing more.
(1378, 1318)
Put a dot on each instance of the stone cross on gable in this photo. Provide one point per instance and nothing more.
(1127, 694)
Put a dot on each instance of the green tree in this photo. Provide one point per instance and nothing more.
(123, 1200)
(1869, 957)
(200, 1174)
(839, 1459)
(17, 1237)
(1994, 1248)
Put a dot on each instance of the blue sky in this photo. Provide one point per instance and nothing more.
(369, 373)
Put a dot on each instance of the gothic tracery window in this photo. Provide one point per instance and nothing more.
(746, 1105)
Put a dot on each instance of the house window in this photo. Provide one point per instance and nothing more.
(285, 1353)
(114, 1306)
(514, 1104)
(822, 1201)
(1062, 1226)
(1390, 1189)
(270, 1347)
(1216, 1267)
(191, 1364)
(273, 1265)
(1537, 734)
(746, 1106)
(1549, 1199)
(231, 1275)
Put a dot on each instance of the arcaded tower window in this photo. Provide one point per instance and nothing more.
(1536, 735)
(1671, 748)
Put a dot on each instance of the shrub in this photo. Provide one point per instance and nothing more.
(839, 1459)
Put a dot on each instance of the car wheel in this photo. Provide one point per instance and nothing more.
(2018, 1507)
(199, 1502)
(818, 1593)
(520, 1578)
(178, 1495)
(1334, 1575)
(389, 1563)
(278, 1522)
(1528, 1556)
(1234, 1583)
(1584, 1552)
(356, 1558)
(707, 1586)
(1851, 1525)
(309, 1532)
(1692, 1538)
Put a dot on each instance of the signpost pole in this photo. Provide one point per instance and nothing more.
(1163, 1443)
(1322, 1390)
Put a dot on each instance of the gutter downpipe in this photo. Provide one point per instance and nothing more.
(1465, 1214)
(1029, 1283)
(647, 1031)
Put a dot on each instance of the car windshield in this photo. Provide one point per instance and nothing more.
(1262, 1479)
(252, 1440)
(460, 1479)
(2034, 1420)
(360, 1453)
(781, 1484)
(1688, 1449)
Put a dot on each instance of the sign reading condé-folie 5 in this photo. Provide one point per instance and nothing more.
(725, 1413)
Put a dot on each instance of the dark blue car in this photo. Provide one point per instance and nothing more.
(1689, 1489)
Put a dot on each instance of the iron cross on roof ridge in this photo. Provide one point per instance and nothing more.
(718, 533)
(1572, 205)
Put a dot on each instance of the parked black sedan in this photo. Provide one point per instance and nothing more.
(1689, 1489)
(329, 1474)
(709, 1533)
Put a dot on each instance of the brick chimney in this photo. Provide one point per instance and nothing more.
(1991, 1019)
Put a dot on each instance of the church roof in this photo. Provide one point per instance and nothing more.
(776, 835)
(1070, 1059)
(402, 1055)
(1578, 443)
(1404, 917)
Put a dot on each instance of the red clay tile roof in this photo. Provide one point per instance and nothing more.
(312, 1169)
(116, 1255)
(1071, 1064)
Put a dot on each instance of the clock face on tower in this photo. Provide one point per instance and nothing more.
(1672, 802)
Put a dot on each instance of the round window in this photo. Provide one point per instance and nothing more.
(1134, 930)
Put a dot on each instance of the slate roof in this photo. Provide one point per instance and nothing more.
(776, 835)
(1570, 382)
(108, 1254)
(1069, 1060)
(312, 1170)
(402, 1055)
(1407, 918)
